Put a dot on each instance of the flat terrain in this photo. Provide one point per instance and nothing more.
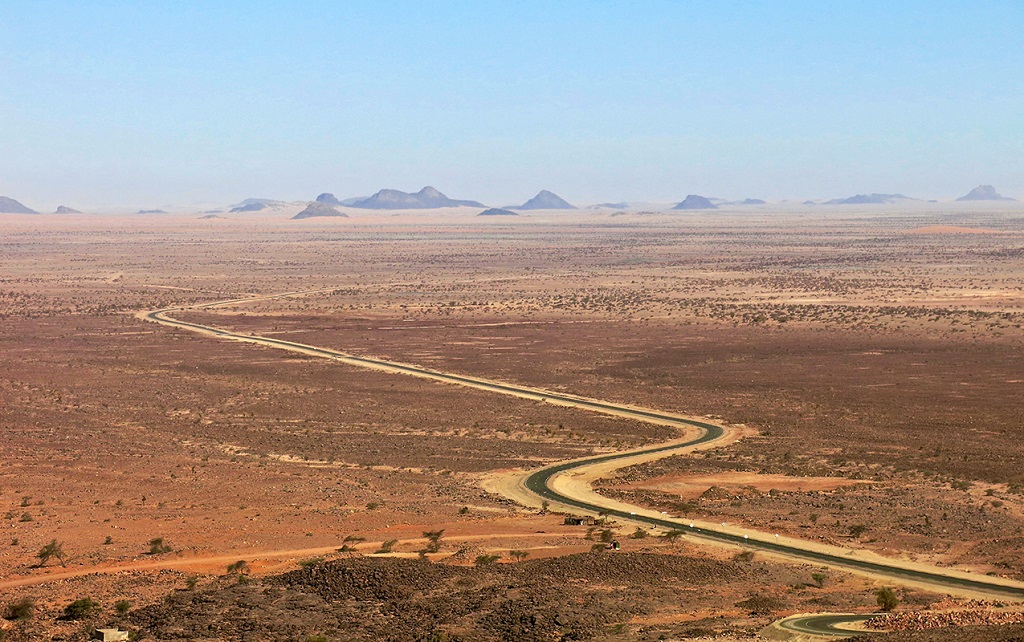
(875, 353)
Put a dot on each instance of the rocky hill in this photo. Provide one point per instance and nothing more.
(497, 211)
(64, 209)
(869, 199)
(545, 200)
(695, 202)
(984, 193)
(11, 206)
(318, 209)
(426, 198)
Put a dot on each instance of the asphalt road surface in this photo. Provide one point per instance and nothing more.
(539, 482)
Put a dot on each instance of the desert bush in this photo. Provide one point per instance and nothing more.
(310, 561)
(433, 540)
(386, 547)
(80, 608)
(857, 530)
(52, 550)
(744, 556)
(886, 598)
(21, 610)
(486, 560)
(158, 546)
(122, 607)
(517, 555)
(241, 567)
(819, 579)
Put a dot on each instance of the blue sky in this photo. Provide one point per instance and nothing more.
(155, 104)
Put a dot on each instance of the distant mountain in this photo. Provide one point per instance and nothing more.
(269, 202)
(317, 209)
(426, 198)
(255, 206)
(751, 201)
(328, 198)
(211, 216)
(11, 206)
(695, 202)
(151, 212)
(497, 211)
(984, 193)
(64, 209)
(609, 206)
(545, 200)
(869, 199)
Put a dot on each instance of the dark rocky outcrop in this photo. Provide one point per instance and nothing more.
(695, 202)
(64, 209)
(317, 209)
(328, 198)
(497, 211)
(151, 212)
(249, 207)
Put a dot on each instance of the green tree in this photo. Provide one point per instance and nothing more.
(518, 556)
(433, 540)
(819, 579)
(486, 560)
(886, 598)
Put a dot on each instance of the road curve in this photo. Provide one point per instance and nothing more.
(539, 482)
(825, 625)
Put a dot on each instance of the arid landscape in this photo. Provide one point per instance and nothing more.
(868, 358)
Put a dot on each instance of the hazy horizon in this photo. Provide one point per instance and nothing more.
(117, 106)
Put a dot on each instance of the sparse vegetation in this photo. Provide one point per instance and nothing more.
(486, 560)
(386, 546)
(886, 598)
(80, 609)
(157, 546)
(53, 550)
(20, 610)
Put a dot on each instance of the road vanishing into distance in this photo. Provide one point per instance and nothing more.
(541, 482)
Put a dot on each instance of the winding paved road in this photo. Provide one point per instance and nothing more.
(540, 481)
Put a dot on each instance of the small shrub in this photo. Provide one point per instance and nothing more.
(158, 546)
(387, 547)
(819, 579)
(52, 550)
(310, 561)
(108, 541)
(639, 533)
(518, 556)
(744, 556)
(606, 536)
(21, 610)
(241, 567)
(373, 506)
(598, 548)
(486, 560)
(464, 510)
(80, 608)
(122, 607)
(25, 517)
(857, 530)
(191, 582)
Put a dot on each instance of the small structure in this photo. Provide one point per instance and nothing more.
(573, 520)
(110, 635)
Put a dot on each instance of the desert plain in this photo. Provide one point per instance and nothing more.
(868, 359)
